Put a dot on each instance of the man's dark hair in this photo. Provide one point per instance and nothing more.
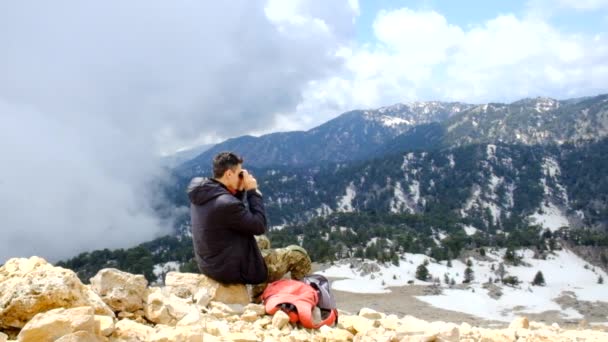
(224, 161)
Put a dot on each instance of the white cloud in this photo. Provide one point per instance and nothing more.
(90, 92)
(419, 55)
(584, 4)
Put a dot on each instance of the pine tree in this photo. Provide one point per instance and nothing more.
(446, 279)
(422, 273)
(468, 275)
(600, 280)
(539, 279)
(395, 259)
(501, 271)
(449, 264)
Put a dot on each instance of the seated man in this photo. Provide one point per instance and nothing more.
(224, 229)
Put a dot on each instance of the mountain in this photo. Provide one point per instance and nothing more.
(531, 122)
(364, 134)
(351, 136)
(436, 178)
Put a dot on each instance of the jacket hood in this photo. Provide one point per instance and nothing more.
(202, 190)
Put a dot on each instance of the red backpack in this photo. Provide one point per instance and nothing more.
(297, 299)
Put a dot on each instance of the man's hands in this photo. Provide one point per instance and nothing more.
(248, 182)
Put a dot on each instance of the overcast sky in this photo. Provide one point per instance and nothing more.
(92, 92)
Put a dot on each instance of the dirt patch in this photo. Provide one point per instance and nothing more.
(402, 301)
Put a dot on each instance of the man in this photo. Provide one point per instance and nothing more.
(224, 229)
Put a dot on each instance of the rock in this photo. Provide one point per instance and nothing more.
(413, 325)
(80, 336)
(370, 313)
(104, 325)
(217, 328)
(390, 322)
(260, 310)
(187, 285)
(263, 322)
(250, 316)
(504, 335)
(300, 336)
(192, 318)
(122, 291)
(355, 324)
(30, 286)
(280, 319)
(165, 333)
(335, 334)
(53, 324)
(242, 337)
(520, 323)
(155, 308)
(161, 308)
(229, 309)
(128, 330)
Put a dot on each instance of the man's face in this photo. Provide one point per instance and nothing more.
(233, 179)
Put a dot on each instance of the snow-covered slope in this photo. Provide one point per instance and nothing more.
(565, 274)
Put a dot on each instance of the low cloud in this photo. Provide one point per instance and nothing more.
(91, 92)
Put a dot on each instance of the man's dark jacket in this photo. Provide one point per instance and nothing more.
(223, 230)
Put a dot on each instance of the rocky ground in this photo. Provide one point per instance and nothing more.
(40, 302)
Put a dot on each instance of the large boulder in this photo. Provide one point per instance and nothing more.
(30, 286)
(122, 291)
(53, 324)
(202, 289)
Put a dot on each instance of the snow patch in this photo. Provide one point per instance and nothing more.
(470, 230)
(160, 270)
(452, 162)
(549, 217)
(324, 210)
(345, 204)
(391, 121)
(398, 202)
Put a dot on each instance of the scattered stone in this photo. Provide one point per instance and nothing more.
(166, 333)
(161, 308)
(128, 330)
(370, 313)
(122, 291)
(80, 336)
(242, 337)
(356, 324)
(280, 319)
(390, 322)
(250, 316)
(520, 322)
(175, 314)
(335, 334)
(260, 310)
(104, 325)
